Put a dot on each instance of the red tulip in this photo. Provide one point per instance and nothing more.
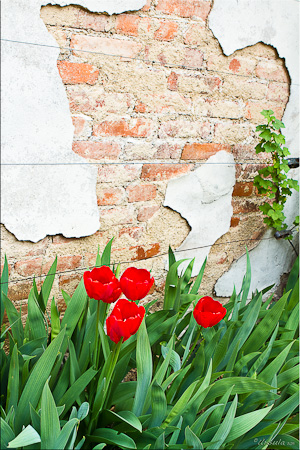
(124, 320)
(136, 283)
(209, 312)
(101, 284)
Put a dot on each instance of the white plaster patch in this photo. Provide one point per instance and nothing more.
(238, 24)
(40, 197)
(203, 198)
(108, 6)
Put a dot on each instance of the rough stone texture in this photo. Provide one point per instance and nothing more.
(175, 100)
(271, 258)
(203, 198)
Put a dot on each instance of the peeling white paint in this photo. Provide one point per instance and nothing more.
(108, 6)
(39, 200)
(238, 24)
(203, 198)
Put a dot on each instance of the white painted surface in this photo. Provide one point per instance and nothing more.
(39, 200)
(238, 24)
(203, 198)
(108, 6)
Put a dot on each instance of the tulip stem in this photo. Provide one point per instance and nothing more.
(194, 345)
(97, 337)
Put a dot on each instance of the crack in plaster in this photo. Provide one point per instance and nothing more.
(275, 23)
(36, 128)
(203, 198)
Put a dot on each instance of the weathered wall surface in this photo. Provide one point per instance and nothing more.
(170, 103)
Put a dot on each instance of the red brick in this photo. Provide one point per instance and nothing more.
(173, 81)
(193, 58)
(166, 31)
(20, 291)
(118, 215)
(69, 283)
(278, 92)
(127, 24)
(109, 196)
(234, 222)
(242, 189)
(60, 239)
(118, 173)
(81, 126)
(269, 70)
(64, 263)
(141, 193)
(97, 150)
(140, 107)
(92, 21)
(142, 253)
(168, 151)
(134, 128)
(185, 8)
(185, 129)
(29, 267)
(158, 172)
(75, 73)
(202, 151)
(104, 45)
(133, 232)
(234, 65)
(146, 212)
(254, 108)
(241, 206)
(194, 34)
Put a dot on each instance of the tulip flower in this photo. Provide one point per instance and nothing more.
(124, 320)
(136, 283)
(209, 312)
(101, 284)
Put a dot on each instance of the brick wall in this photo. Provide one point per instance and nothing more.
(169, 96)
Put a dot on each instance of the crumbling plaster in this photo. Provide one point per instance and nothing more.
(238, 24)
(39, 197)
(203, 198)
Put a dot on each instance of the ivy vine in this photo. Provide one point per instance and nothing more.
(272, 181)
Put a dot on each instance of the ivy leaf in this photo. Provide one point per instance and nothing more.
(279, 138)
(259, 148)
(285, 151)
(277, 124)
(266, 135)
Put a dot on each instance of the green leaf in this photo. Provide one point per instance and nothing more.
(35, 317)
(110, 436)
(242, 424)
(171, 286)
(159, 406)
(171, 255)
(83, 411)
(264, 329)
(14, 318)
(6, 434)
(36, 381)
(65, 433)
(263, 358)
(47, 286)
(273, 368)
(159, 444)
(74, 309)
(144, 369)
(125, 417)
(27, 437)
(3, 288)
(50, 427)
(198, 280)
(105, 258)
(55, 321)
(216, 416)
(13, 381)
(75, 390)
(192, 440)
(225, 427)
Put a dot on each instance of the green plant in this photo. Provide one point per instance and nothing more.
(272, 180)
(222, 387)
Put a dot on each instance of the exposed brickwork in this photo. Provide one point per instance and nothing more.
(141, 193)
(74, 73)
(202, 151)
(191, 103)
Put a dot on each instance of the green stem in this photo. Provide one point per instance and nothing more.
(101, 320)
(97, 336)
